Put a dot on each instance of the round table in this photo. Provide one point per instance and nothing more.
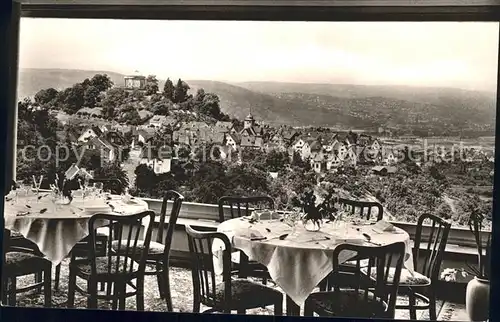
(58, 228)
(302, 253)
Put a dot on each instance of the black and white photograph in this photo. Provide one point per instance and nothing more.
(329, 169)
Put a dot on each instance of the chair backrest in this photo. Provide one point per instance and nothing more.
(128, 230)
(384, 266)
(433, 247)
(112, 185)
(203, 272)
(241, 206)
(177, 200)
(363, 208)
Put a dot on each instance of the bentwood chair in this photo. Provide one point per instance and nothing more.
(366, 210)
(363, 298)
(113, 186)
(158, 254)
(18, 262)
(227, 294)
(118, 268)
(241, 207)
(428, 251)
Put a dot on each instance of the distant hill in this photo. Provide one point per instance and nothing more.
(31, 80)
(343, 106)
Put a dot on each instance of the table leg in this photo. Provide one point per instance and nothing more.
(292, 309)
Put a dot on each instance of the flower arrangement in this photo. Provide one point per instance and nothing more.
(483, 269)
(315, 213)
(61, 187)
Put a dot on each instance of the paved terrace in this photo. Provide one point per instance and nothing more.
(182, 297)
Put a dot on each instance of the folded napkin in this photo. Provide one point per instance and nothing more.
(383, 226)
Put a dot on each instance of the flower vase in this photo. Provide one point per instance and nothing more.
(477, 299)
(311, 225)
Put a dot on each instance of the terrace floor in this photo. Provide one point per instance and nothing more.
(182, 297)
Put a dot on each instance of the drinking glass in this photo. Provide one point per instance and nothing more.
(99, 189)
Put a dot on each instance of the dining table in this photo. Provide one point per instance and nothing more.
(297, 258)
(55, 227)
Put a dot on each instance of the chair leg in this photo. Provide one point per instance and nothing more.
(140, 294)
(122, 296)
(432, 306)
(161, 283)
(5, 289)
(57, 277)
(278, 307)
(92, 290)
(166, 290)
(196, 303)
(412, 303)
(308, 308)
(47, 287)
(71, 289)
(12, 291)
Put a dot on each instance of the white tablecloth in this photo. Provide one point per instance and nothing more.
(57, 230)
(298, 263)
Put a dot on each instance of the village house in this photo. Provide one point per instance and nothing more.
(251, 128)
(222, 127)
(339, 149)
(144, 136)
(318, 163)
(332, 162)
(233, 140)
(89, 133)
(310, 146)
(107, 151)
(388, 156)
(251, 142)
(158, 160)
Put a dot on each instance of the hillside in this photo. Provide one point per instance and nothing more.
(342, 106)
(31, 80)
(429, 95)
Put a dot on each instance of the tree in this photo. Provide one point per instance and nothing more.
(115, 97)
(129, 114)
(276, 161)
(46, 96)
(209, 105)
(151, 85)
(168, 90)
(91, 96)
(145, 178)
(180, 92)
(102, 82)
(162, 107)
(73, 98)
(200, 95)
(113, 170)
(91, 159)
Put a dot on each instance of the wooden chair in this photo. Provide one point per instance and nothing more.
(363, 298)
(229, 294)
(241, 207)
(20, 261)
(117, 269)
(159, 250)
(427, 258)
(365, 210)
(111, 185)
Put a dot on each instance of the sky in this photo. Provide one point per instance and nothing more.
(443, 54)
